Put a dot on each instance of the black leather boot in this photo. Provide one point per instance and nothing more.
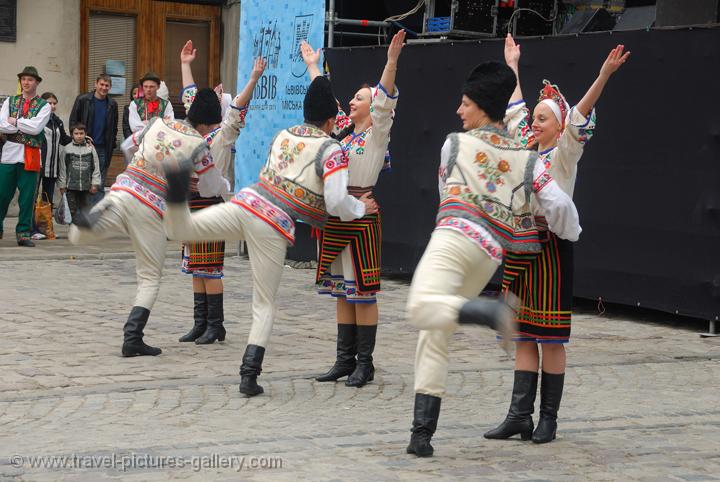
(200, 314)
(496, 314)
(551, 389)
(426, 414)
(250, 369)
(133, 344)
(522, 404)
(346, 351)
(178, 180)
(364, 370)
(215, 329)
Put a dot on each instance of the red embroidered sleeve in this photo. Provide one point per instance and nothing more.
(542, 180)
(336, 162)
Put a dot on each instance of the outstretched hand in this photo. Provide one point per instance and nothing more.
(512, 51)
(188, 53)
(614, 60)
(395, 47)
(258, 68)
(310, 56)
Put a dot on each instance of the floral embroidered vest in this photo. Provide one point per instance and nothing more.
(163, 142)
(144, 112)
(16, 107)
(488, 180)
(292, 178)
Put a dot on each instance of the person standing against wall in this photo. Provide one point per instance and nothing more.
(99, 113)
(22, 119)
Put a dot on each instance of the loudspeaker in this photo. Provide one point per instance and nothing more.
(672, 13)
(598, 20)
(636, 18)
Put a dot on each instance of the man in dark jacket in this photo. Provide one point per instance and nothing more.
(99, 113)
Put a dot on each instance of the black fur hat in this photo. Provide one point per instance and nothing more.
(490, 86)
(205, 109)
(320, 103)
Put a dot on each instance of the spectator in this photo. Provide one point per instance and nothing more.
(99, 113)
(127, 132)
(55, 136)
(79, 170)
(22, 120)
(149, 105)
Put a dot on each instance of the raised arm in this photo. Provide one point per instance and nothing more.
(243, 98)
(614, 60)
(311, 58)
(387, 80)
(187, 55)
(512, 59)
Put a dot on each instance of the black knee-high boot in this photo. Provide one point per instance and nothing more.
(346, 351)
(551, 389)
(425, 419)
(365, 370)
(522, 404)
(250, 369)
(216, 315)
(133, 344)
(200, 314)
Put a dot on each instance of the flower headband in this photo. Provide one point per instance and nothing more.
(550, 95)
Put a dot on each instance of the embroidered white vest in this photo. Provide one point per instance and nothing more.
(489, 181)
(292, 178)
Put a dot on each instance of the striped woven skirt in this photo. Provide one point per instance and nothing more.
(203, 259)
(543, 282)
(349, 259)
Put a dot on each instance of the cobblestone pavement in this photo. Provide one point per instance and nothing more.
(641, 400)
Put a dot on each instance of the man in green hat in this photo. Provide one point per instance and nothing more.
(144, 108)
(22, 120)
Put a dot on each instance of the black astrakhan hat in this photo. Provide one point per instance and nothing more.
(205, 109)
(320, 103)
(490, 86)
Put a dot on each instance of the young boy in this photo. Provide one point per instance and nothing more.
(79, 175)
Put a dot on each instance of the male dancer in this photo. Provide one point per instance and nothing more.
(304, 178)
(486, 180)
(136, 203)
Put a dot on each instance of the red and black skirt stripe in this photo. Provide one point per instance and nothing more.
(204, 259)
(544, 282)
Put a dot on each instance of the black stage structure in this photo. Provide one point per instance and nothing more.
(648, 187)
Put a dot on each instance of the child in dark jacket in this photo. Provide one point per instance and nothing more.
(79, 175)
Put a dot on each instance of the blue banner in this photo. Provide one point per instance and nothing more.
(275, 34)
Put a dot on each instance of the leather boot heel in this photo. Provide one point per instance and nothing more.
(346, 350)
(522, 404)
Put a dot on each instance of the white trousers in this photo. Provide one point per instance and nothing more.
(266, 248)
(127, 215)
(452, 270)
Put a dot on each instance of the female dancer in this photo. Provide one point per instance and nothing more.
(543, 281)
(204, 260)
(349, 253)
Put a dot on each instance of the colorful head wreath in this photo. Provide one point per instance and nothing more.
(550, 95)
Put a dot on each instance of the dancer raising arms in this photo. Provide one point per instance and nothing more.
(543, 281)
(304, 178)
(486, 180)
(349, 251)
(205, 260)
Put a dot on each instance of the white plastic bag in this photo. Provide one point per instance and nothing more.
(62, 213)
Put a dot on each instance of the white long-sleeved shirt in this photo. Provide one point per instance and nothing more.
(366, 150)
(13, 152)
(137, 124)
(559, 209)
